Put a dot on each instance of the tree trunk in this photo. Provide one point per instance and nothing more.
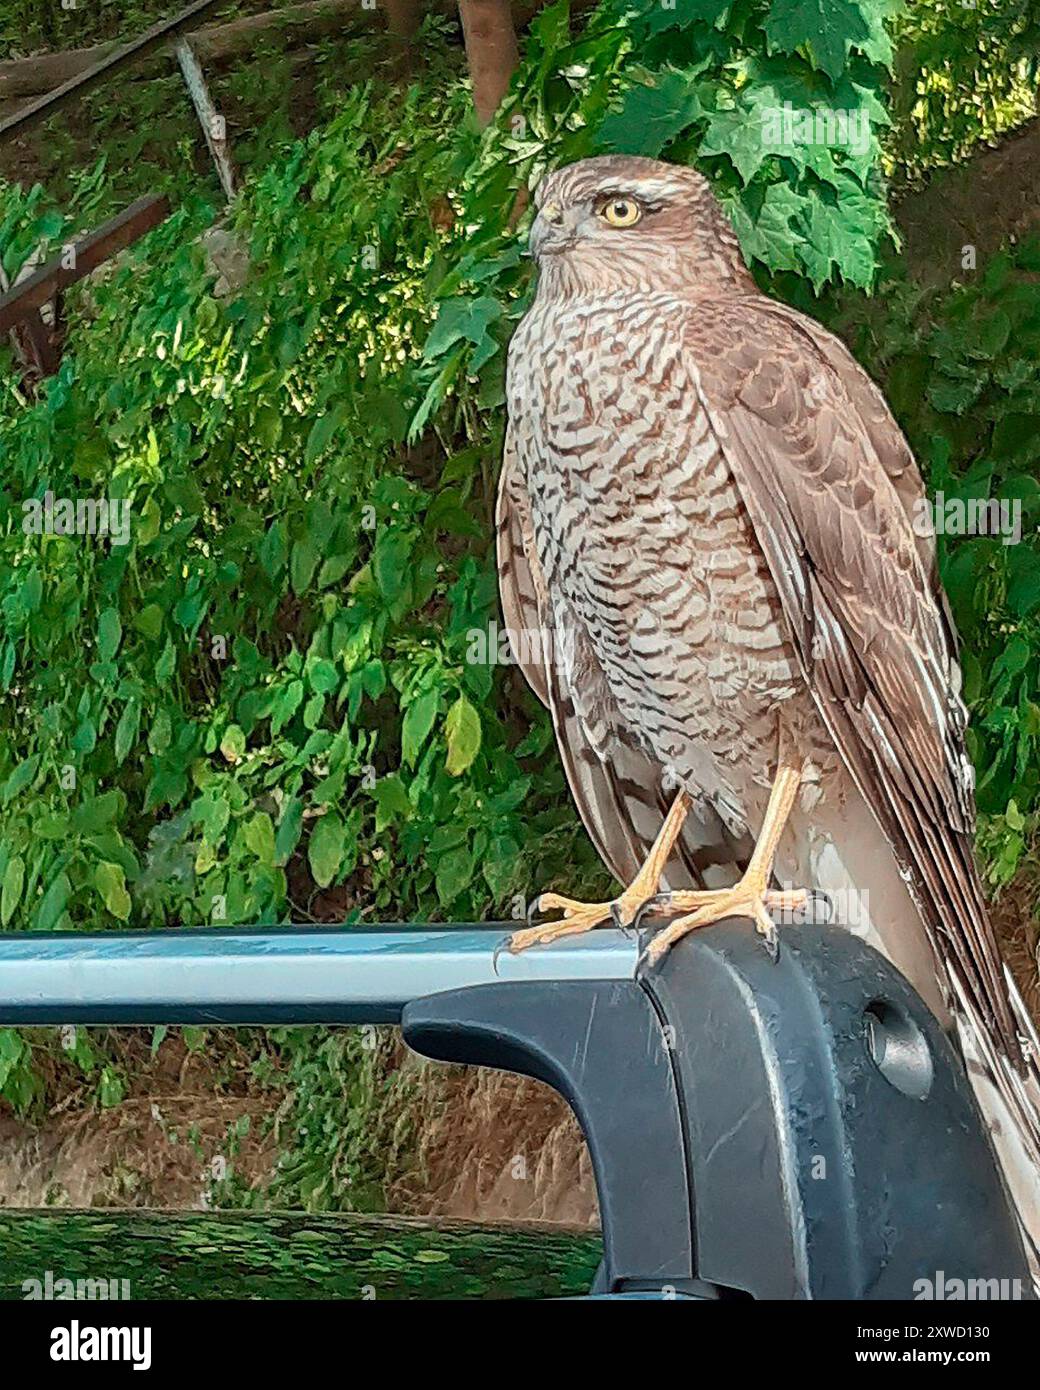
(402, 18)
(491, 51)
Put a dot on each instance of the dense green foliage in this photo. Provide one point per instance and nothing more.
(292, 1257)
(700, 82)
(966, 72)
(279, 583)
(265, 705)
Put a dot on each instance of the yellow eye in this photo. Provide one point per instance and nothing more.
(621, 212)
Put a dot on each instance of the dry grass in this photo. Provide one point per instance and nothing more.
(157, 1147)
(491, 1146)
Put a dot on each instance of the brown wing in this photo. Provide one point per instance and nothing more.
(830, 486)
(619, 790)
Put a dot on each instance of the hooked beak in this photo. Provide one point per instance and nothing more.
(551, 231)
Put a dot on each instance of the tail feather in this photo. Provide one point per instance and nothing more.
(1010, 1103)
(842, 850)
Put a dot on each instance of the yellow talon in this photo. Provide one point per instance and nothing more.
(582, 917)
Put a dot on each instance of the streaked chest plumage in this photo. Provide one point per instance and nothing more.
(641, 532)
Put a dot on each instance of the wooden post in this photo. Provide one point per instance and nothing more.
(214, 126)
(36, 340)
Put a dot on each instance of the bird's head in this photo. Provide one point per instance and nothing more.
(617, 222)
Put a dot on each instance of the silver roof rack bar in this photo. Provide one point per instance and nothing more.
(277, 975)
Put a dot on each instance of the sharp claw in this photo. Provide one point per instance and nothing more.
(644, 964)
(633, 922)
(819, 907)
(503, 945)
(771, 941)
(647, 907)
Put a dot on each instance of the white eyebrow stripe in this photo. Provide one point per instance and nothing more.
(659, 186)
(647, 189)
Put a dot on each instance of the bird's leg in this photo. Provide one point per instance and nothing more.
(751, 897)
(582, 917)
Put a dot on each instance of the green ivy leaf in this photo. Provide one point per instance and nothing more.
(268, 426)
(1023, 593)
(53, 902)
(164, 666)
(259, 838)
(954, 397)
(321, 433)
(7, 665)
(149, 620)
(390, 563)
(392, 802)
(373, 679)
(324, 677)
(462, 728)
(417, 723)
(286, 703)
(304, 561)
(213, 815)
(289, 827)
(11, 895)
(233, 743)
(463, 319)
(325, 848)
(110, 882)
(500, 864)
(454, 874)
(127, 729)
(110, 634)
(84, 739)
(19, 779)
(273, 550)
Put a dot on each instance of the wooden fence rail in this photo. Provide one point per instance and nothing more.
(87, 254)
(151, 39)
